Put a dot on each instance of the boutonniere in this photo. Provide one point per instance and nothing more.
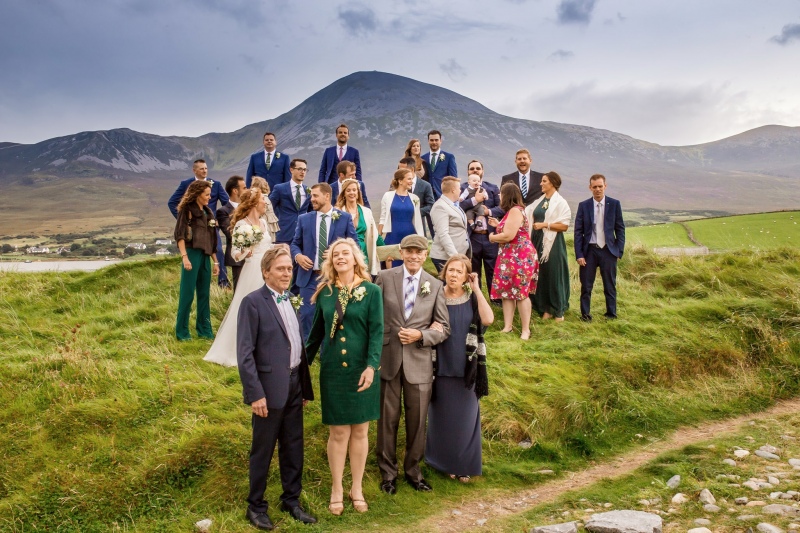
(546, 204)
(426, 288)
(277, 155)
(296, 302)
(336, 214)
(359, 293)
(212, 223)
(467, 288)
(416, 202)
(441, 157)
(308, 190)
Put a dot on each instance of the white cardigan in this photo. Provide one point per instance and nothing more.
(371, 238)
(386, 219)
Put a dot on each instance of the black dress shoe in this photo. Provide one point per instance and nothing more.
(420, 485)
(610, 317)
(260, 520)
(389, 486)
(298, 514)
(586, 318)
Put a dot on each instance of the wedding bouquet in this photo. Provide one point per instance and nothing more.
(245, 235)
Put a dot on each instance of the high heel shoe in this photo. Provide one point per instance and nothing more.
(359, 505)
(336, 508)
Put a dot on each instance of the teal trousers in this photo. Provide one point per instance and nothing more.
(198, 279)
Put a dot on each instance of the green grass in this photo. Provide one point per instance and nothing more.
(110, 424)
(762, 231)
(670, 235)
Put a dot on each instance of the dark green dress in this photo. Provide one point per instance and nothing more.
(361, 231)
(552, 293)
(356, 343)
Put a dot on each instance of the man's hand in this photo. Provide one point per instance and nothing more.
(260, 408)
(582, 261)
(480, 196)
(438, 327)
(409, 336)
(304, 261)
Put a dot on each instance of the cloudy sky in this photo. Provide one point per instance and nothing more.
(671, 72)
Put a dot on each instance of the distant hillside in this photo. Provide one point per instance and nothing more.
(754, 171)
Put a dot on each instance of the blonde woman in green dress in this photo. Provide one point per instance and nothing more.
(349, 319)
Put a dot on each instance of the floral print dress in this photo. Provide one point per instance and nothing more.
(517, 268)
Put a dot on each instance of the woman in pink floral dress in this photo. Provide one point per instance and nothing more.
(517, 266)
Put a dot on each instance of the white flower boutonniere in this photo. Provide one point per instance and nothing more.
(416, 202)
(296, 302)
(426, 288)
(467, 288)
(359, 293)
(212, 223)
(336, 214)
(277, 155)
(441, 157)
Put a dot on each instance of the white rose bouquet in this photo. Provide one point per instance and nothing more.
(245, 236)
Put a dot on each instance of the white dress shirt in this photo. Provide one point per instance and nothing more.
(234, 204)
(292, 326)
(293, 190)
(271, 157)
(328, 222)
(598, 233)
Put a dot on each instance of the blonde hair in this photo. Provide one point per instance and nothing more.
(247, 202)
(260, 184)
(341, 200)
(523, 151)
(271, 255)
(328, 275)
(450, 184)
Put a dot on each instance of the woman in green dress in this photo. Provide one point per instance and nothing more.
(351, 201)
(349, 319)
(551, 217)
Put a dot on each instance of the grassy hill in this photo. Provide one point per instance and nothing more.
(110, 424)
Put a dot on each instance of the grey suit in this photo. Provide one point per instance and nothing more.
(450, 224)
(407, 368)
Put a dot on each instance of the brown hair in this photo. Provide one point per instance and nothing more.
(340, 126)
(450, 184)
(294, 162)
(416, 158)
(453, 258)
(271, 255)
(269, 133)
(554, 179)
(510, 196)
(328, 275)
(343, 167)
(232, 183)
(341, 200)
(196, 188)
(434, 132)
(247, 201)
(400, 175)
(523, 151)
(597, 177)
(324, 187)
(260, 183)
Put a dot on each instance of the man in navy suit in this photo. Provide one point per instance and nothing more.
(346, 170)
(268, 163)
(315, 231)
(218, 194)
(529, 181)
(442, 163)
(336, 154)
(422, 189)
(599, 242)
(290, 200)
(276, 384)
(483, 250)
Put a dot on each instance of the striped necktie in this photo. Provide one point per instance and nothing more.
(409, 296)
(268, 162)
(524, 186)
(297, 197)
(323, 240)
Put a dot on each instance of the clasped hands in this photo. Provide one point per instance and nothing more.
(409, 336)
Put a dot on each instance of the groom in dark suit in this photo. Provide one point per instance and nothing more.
(315, 231)
(442, 163)
(269, 164)
(599, 242)
(276, 384)
(336, 154)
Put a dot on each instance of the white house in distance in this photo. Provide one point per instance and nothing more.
(137, 246)
(38, 250)
(163, 251)
(163, 242)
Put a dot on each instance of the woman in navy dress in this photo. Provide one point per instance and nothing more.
(400, 215)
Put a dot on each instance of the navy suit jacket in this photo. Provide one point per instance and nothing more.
(534, 184)
(443, 169)
(305, 239)
(492, 202)
(327, 169)
(278, 169)
(218, 194)
(282, 198)
(335, 193)
(613, 227)
(424, 192)
(263, 352)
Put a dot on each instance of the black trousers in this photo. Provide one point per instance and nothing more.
(235, 270)
(284, 427)
(439, 264)
(484, 253)
(607, 262)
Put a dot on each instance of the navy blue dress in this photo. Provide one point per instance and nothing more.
(402, 213)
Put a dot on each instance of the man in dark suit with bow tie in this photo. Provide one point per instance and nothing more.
(336, 154)
(269, 164)
(529, 181)
(442, 163)
(276, 383)
(599, 242)
(218, 194)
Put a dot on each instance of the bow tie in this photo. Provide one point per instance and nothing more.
(281, 297)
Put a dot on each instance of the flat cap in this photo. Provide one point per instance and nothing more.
(414, 241)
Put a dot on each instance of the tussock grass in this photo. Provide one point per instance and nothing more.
(111, 424)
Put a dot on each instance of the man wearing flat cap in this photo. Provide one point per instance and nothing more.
(415, 320)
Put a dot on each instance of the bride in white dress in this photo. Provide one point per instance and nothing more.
(250, 210)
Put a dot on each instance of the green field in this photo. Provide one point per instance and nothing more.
(110, 424)
(762, 231)
(671, 235)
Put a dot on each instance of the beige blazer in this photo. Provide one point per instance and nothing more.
(450, 227)
(416, 358)
(386, 219)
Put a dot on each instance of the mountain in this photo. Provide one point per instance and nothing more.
(754, 171)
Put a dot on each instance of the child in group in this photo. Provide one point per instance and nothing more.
(478, 210)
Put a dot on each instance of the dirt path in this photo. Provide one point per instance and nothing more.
(499, 504)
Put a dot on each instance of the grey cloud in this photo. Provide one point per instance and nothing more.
(358, 19)
(788, 33)
(575, 11)
(253, 62)
(455, 71)
(439, 25)
(561, 55)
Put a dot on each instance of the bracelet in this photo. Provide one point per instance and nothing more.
(548, 226)
(216, 264)
(183, 255)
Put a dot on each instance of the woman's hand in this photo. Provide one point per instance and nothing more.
(493, 222)
(474, 283)
(366, 379)
(186, 263)
(249, 254)
(215, 269)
